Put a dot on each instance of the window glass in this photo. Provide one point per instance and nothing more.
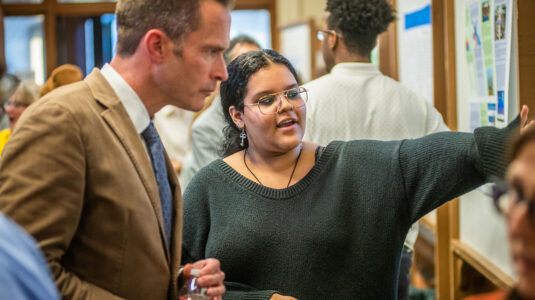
(88, 42)
(84, 1)
(254, 23)
(21, 1)
(24, 47)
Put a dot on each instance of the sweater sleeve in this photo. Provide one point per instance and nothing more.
(442, 166)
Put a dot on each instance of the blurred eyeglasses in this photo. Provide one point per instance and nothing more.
(508, 197)
(322, 33)
(268, 104)
(14, 104)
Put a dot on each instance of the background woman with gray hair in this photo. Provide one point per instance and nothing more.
(26, 93)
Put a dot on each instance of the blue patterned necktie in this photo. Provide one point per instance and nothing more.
(157, 158)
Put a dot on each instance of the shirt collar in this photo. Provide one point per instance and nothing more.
(132, 103)
(352, 67)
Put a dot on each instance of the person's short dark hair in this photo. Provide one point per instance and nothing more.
(176, 18)
(359, 22)
(233, 90)
(241, 39)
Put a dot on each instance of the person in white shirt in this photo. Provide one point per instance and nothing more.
(174, 125)
(356, 101)
(207, 135)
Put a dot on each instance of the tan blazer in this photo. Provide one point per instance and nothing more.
(75, 174)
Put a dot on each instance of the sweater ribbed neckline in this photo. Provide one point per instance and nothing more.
(283, 193)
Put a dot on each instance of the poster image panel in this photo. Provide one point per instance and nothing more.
(499, 22)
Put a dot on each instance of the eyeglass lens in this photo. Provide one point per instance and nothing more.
(296, 97)
(14, 104)
(508, 198)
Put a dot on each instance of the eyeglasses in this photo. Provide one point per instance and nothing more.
(506, 198)
(321, 34)
(268, 105)
(14, 104)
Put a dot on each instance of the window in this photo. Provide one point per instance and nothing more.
(83, 32)
(24, 47)
(254, 23)
(87, 42)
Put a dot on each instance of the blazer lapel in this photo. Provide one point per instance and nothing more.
(117, 118)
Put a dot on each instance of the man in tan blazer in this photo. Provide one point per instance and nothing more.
(80, 175)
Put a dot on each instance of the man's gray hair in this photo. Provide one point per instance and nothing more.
(176, 18)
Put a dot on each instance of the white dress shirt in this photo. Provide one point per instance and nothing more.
(132, 103)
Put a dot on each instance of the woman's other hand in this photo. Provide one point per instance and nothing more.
(524, 119)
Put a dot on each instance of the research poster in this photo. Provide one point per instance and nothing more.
(487, 48)
(416, 55)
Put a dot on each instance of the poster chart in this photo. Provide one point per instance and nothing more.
(416, 49)
(487, 48)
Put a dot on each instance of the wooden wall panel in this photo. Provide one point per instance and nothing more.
(526, 53)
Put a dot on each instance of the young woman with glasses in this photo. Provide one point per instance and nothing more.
(291, 219)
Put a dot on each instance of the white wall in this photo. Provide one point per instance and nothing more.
(290, 11)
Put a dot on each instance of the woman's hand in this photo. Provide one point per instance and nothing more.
(524, 119)
(211, 277)
(281, 297)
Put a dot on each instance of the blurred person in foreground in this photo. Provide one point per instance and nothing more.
(207, 136)
(24, 273)
(515, 200)
(26, 93)
(519, 208)
(292, 219)
(85, 172)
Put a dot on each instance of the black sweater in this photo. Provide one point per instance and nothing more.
(338, 232)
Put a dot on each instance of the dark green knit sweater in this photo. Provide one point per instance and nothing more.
(338, 232)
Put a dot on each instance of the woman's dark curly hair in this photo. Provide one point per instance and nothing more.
(359, 22)
(234, 90)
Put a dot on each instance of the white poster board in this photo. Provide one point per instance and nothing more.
(415, 47)
(481, 227)
(296, 45)
(487, 51)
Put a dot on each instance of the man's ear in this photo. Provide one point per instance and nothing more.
(237, 117)
(157, 44)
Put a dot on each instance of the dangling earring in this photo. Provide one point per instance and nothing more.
(243, 136)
